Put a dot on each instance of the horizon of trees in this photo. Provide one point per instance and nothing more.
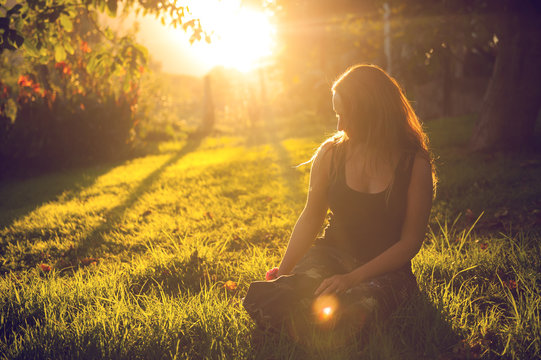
(73, 68)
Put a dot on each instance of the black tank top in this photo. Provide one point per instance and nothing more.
(366, 224)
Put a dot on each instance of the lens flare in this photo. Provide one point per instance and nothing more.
(324, 309)
(327, 311)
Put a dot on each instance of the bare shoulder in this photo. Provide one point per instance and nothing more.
(421, 173)
(325, 150)
(421, 163)
(322, 161)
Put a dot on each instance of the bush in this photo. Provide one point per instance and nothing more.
(51, 131)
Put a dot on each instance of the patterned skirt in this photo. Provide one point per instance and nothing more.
(289, 300)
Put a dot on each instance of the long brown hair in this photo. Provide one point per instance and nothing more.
(377, 113)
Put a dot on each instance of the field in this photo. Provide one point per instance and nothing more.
(150, 258)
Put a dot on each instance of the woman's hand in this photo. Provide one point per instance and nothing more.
(334, 284)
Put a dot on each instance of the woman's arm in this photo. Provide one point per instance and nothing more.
(311, 219)
(419, 203)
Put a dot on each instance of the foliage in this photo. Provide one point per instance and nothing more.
(73, 116)
(151, 258)
(38, 24)
(169, 107)
(81, 106)
(11, 38)
(76, 108)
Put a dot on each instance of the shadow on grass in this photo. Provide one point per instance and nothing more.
(96, 238)
(268, 134)
(288, 172)
(18, 198)
(190, 274)
(417, 330)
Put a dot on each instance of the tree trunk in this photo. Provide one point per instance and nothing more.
(513, 97)
(208, 107)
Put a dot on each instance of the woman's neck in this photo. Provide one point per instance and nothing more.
(356, 148)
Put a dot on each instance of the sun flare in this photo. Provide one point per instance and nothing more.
(242, 38)
(324, 307)
(327, 311)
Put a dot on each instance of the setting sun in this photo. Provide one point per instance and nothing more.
(241, 38)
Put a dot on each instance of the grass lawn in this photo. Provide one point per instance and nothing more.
(130, 260)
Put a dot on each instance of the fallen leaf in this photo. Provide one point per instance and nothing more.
(230, 285)
(44, 267)
(511, 284)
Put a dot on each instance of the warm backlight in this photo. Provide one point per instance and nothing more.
(241, 38)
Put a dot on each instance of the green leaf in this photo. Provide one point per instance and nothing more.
(59, 53)
(92, 64)
(142, 50)
(69, 48)
(30, 49)
(66, 23)
(111, 7)
(11, 110)
(101, 6)
(125, 85)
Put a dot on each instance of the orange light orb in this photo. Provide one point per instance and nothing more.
(327, 311)
(324, 308)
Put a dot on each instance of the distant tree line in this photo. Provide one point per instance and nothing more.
(432, 39)
(70, 88)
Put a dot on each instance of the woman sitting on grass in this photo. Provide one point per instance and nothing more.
(376, 176)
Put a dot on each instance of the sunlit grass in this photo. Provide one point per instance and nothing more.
(140, 251)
